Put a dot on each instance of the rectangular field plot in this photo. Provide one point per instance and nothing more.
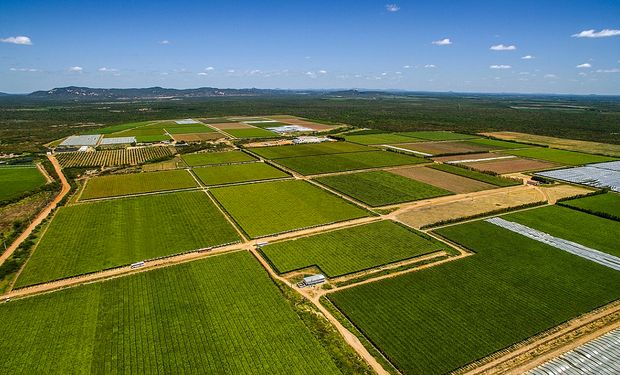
(382, 138)
(309, 165)
(511, 289)
(91, 237)
(274, 207)
(380, 188)
(496, 144)
(279, 152)
(439, 135)
(219, 315)
(251, 133)
(572, 225)
(213, 158)
(198, 137)
(349, 250)
(108, 158)
(199, 128)
(16, 180)
(227, 174)
(135, 183)
(444, 180)
(590, 175)
(489, 179)
(502, 166)
(605, 205)
(444, 148)
(559, 156)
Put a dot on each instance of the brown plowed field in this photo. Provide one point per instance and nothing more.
(231, 125)
(439, 148)
(444, 180)
(511, 165)
(484, 155)
(197, 137)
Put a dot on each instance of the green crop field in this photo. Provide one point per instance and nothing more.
(309, 165)
(585, 229)
(605, 205)
(152, 138)
(438, 135)
(122, 231)
(560, 156)
(438, 319)
(15, 181)
(349, 250)
(212, 158)
(251, 133)
(118, 128)
(135, 183)
(380, 188)
(384, 138)
(220, 315)
(279, 206)
(475, 175)
(227, 174)
(195, 128)
(279, 152)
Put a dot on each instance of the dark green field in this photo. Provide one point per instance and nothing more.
(351, 250)
(279, 206)
(438, 135)
(381, 188)
(279, 152)
(585, 229)
(122, 231)
(605, 205)
(381, 138)
(560, 156)
(14, 181)
(475, 175)
(439, 319)
(317, 164)
(228, 174)
(213, 158)
(218, 315)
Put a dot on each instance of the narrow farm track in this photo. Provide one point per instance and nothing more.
(42, 215)
(41, 169)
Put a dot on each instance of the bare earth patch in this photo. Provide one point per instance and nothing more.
(512, 165)
(565, 144)
(470, 205)
(444, 180)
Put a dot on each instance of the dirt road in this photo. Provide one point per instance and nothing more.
(43, 215)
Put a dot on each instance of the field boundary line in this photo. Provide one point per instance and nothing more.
(244, 236)
(134, 195)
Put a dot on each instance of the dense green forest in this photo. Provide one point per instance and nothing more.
(26, 124)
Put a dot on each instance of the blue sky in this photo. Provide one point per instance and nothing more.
(574, 45)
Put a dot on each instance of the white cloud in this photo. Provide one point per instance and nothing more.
(406, 66)
(23, 40)
(322, 71)
(614, 70)
(209, 68)
(24, 70)
(500, 66)
(202, 74)
(231, 70)
(392, 7)
(311, 74)
(527, 57)
(584, 66)
(165, 41)
(597, 34)
(442, 42)
(104, 69)
(77, 69)
(430, 66)
(502, 47)
(551, 76)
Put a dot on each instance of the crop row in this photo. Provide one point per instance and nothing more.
(107, 158)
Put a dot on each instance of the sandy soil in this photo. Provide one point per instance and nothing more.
(469, 205)
(512, 165)
(231, 125)
(444, 180)
(65, 189)
(566, 144)
(438, 148)
(555, 192)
